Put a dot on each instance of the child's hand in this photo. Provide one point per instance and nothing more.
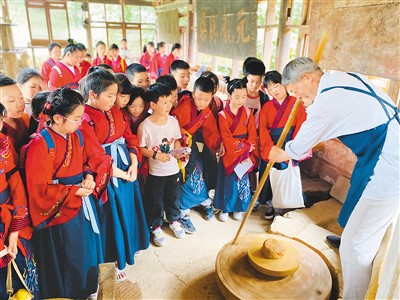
(82, 192)
(221, 151)
(163, 157)
(12, 248)
(131, 173)
(88, 183)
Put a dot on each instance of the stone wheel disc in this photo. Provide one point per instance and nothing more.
(237, 279)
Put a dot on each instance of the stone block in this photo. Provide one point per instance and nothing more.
(340, 188)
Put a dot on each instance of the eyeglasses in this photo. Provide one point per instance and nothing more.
(76, 123)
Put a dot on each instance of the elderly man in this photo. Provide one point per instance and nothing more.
(351, 108)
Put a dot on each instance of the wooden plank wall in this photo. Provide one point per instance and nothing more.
(363, 36)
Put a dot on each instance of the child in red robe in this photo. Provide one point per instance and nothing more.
(157, 61)
(200, 130)
(66, 238)
(15, 230)
(174, 55)
(239, 134)
(118, 64)
(83, 64)
(273, 117)
(55, 56)
(66, 72)
(148, 52)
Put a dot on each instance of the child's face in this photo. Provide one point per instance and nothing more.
(69, 123)
(150, 49)
(174, 95)
(182, 78)
(122, 100)
(276, 90)
(55, 53)
(141, 80)
(114, 53)
(101, 50)
(106, 99)
(83, 56)
(238, 97)
(137, 107)
(254, 83)
(13, 101)
(73, 58)
(123, 44)
(31, 88)
(202, 99)
(163, 106)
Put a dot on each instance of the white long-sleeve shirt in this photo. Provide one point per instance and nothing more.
(339, 112)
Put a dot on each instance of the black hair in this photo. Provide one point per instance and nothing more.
(254, 67)
(134, 68)
(106, 67)
(135, 93)
(52, 45)
(212, 76)
(81, 46)
(176, 46)
(27, 74)
(3, 111)
(160, 45)
(123, 39)
(62, 102)
(6, 81)
(247, 61)
(169, 81)
(70, 48)
(98, 80)
(155, 91)
(204, 84)
(124, 85)
(114, 47)
(38, 102)
(148, 44)
(236, 84)
(272, 76)
(99, 43)
(179, 64)
(88, 54)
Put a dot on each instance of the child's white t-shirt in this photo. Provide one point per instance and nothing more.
(151, 136)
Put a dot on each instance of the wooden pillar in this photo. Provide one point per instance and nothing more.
(88, 27)
(191, 36)
(283, 41)
(9, 59)
(236, 68)
(270, 20)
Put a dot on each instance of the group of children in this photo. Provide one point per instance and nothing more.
(103, 166)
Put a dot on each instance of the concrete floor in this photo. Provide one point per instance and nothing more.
(185, 268)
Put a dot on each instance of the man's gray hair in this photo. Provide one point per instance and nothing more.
(297, 67)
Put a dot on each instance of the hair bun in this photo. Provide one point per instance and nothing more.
(71, 41)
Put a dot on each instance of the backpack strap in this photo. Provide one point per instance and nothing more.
(79, 133)
(49, 142)
(58, 70)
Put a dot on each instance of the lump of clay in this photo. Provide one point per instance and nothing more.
(272, 248)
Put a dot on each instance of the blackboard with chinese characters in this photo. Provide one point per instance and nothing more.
(227, 28)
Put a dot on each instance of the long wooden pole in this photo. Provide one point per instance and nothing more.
(317, 57)
(269, 166)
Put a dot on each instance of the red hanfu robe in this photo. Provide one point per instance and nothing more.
(61, 75)
(99, 61)
(167, 64)
(238, 134)
(46, 69)
(13, 202)
(52, 203)
(216, 105)
(187, 114)
(274, 115)
(156, 66)
(145, 60)
(84, 67)
(118, 65)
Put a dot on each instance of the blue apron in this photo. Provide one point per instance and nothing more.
(367, 146)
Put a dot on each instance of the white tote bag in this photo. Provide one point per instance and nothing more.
(286, 187)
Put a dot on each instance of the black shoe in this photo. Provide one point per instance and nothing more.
(270, 213)
(333, 240)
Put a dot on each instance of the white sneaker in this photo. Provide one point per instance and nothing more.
(238, 215)
(158, 237)
(223, 217)
(177, 229)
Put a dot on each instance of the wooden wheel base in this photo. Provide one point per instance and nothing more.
(238, 280)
